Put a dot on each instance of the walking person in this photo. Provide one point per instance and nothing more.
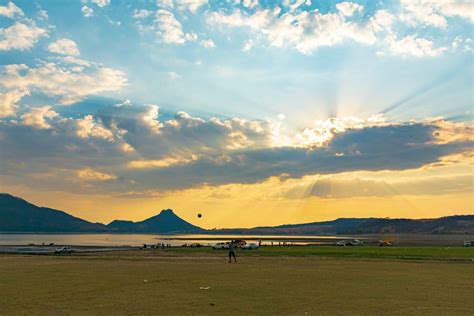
(232, 252)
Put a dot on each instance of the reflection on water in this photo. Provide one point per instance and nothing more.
(140, 239)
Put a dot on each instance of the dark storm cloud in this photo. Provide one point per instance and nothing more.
(395, 147)
(209, 151)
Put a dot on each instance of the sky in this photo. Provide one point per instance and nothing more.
(250, 112)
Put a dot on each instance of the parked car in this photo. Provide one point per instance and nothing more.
(196, 245)
(65, 249)
(221, 245)
(355, 242)
(468, 243)
(384, 243)
(341, 243)
(250, 246)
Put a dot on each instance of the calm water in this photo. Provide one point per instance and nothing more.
(107, 240)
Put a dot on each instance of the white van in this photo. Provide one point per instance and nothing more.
(221, 245)
(65, 249)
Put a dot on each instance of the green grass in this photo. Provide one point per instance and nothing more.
(263, 284)
(422, 253)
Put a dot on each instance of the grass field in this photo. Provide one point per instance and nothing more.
(269, 281)
(422, 253)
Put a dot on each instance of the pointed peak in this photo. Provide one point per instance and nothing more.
(167, 212)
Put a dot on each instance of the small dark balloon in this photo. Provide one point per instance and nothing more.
(199, 215)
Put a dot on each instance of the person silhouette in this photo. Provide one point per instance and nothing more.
(232, 252)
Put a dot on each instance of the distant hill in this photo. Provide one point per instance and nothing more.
(460, 224)
(17, 215)
(165, 222)
(337, 226)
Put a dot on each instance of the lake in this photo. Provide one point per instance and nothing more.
(109, 240)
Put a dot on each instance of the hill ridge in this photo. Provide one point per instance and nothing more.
(19, 215)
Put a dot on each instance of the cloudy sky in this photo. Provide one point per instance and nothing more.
(251, 112)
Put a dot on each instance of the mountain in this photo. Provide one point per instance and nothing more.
(17, 215)
(121, 226)
(165, 222)
(459, 224)
(337, 226)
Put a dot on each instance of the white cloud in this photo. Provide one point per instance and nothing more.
(11, 10)
(424, 13)
(463, 9)
(165, 3)
(88, 127)
(191, 36)
(191, 5)
(87, 11)
(433, 13)
(324, 131)
(101, 3)
(382, 21)
(208, 43)
(43, 15)
(250, 3)
(36, 117)
(349, 8)
(260, 20)
(304, 31)
(413, 46)
(73, 60)
(169, 29)
(308, 30)
(465, 45)
(64, 47)
(295, 5)
(20, 36)
(141, 14)
(62, 81)
(126, 102)
(150, 117)
(9, 100)
(182, 5)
